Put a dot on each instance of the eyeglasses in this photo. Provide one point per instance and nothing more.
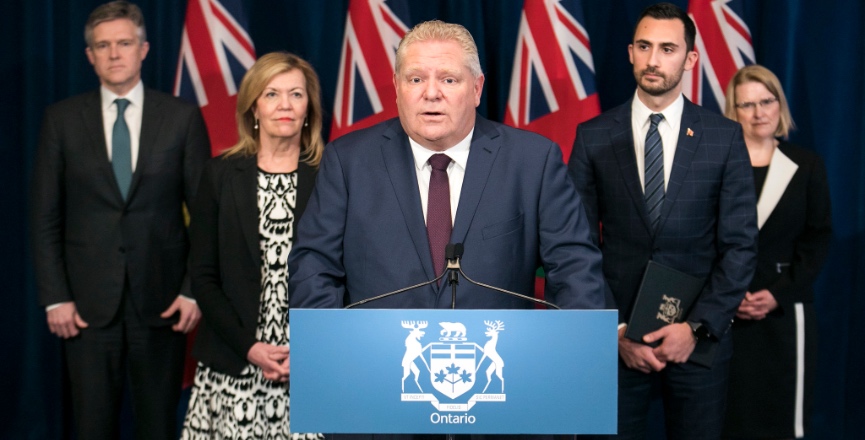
(763, 103)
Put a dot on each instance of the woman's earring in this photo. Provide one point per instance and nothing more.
(256, 123)
(305, 122)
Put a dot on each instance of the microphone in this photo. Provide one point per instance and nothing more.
(453, 267)
(453, 253)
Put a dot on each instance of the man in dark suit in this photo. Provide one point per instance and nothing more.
(370, 226)
(664, 180)
(113, 169)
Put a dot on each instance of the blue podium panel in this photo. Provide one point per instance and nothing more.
(454, 371)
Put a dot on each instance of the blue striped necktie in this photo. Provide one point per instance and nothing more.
(654, 178)
(121, 149)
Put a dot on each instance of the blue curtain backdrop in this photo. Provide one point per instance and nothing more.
(816, 47)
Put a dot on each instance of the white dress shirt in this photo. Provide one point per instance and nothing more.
(133, 114)
(668, 128)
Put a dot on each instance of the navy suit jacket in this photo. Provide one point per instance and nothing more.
(708, 224)
(363, 233)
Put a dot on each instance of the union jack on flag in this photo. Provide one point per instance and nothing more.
(365, 93)
(215, 53)
(553, 80)
(724, 44)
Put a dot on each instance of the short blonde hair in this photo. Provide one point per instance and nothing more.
(759, 74)
(437, 30)
(251, 87)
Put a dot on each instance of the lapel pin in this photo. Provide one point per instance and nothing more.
(690, 132)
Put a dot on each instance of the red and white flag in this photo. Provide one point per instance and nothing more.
(365, 93)
(215, 53)
(724, 44)
(553, 80)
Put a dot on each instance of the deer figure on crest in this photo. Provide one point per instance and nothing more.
(413, 350)
(496, 362)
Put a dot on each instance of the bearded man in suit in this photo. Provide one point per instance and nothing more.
(665, 180)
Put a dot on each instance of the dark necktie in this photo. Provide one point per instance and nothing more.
(654, 194)
(438, 217)
(121, 149)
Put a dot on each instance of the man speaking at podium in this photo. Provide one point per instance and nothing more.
(388, 199)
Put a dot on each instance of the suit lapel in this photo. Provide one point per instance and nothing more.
(305, 183)
(484, 148)
(399, 162)
(779, 175)
(622, 140)
(244, 186)
(151, 120)
(690, 133)
(92, 121)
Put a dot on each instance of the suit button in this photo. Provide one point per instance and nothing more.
(122, 250)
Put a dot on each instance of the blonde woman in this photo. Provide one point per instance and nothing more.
(774, 339)
(242, 231)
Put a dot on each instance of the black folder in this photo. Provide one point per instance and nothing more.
(665, 297)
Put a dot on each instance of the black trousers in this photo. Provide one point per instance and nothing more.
(100, 360)
(694, 398)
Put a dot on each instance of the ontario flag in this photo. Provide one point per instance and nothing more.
(215, 53)
(365, 93)
(724, 44)
(553, 81)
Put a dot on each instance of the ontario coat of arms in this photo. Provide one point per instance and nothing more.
(451, 365)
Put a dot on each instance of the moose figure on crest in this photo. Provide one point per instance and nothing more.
(413, 350)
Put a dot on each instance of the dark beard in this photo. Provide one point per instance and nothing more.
(658, 88)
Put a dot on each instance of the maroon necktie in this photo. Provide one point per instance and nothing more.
(438, 217)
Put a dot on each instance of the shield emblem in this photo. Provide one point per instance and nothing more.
(452, 367)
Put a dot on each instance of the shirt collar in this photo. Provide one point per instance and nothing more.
(673, 112)
(135, 96)
(459, 153)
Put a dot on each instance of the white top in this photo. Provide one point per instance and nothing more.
(459, 155)
(668, 128)
(133, 115)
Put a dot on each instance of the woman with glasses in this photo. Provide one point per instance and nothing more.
(774, 334)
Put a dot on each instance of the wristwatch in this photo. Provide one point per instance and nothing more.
(700, 331)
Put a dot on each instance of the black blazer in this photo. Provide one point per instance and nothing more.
(225, 260)
(86, 240)
(794, 241)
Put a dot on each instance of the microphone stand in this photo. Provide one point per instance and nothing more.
(518, 295)
(385, 295)
(453, 254)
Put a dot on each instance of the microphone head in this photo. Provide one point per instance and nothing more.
(450, 251)
(458, 250)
